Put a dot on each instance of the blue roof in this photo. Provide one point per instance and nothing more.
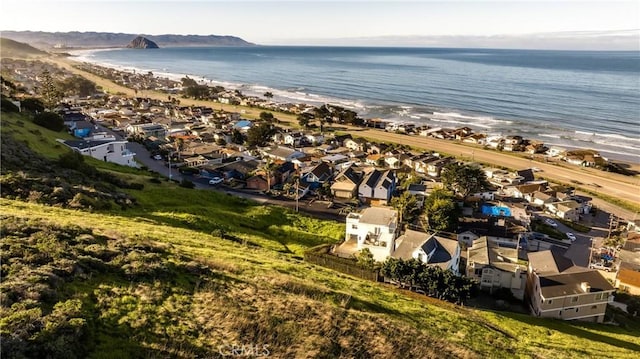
(243, 123)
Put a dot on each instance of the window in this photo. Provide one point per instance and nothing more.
(354, 226)
(574, 299)
(550, 301)
(599, 296)
(577, 309)
(594, 307)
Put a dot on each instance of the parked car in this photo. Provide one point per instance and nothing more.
(600, 266)
(215, 181)
(157, 157)
(571, 236)
(551, 222)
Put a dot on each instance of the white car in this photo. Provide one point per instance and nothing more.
(599, 266)
(215, 180)
(571, 236)
(551, 222)
(157, 157)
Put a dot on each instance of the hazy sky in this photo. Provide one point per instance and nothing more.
(309, 22)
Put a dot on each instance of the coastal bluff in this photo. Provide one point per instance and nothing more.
(142, 42)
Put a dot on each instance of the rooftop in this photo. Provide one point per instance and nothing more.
(378, 215)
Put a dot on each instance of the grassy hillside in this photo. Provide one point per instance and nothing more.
(11, 48)
(187, 273)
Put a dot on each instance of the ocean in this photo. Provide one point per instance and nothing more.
(582, 99)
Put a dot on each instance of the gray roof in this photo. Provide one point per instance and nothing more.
(81, 145)
(412, 240)
(563, 284)
(488, 253)
(550, 261)
(378, 215)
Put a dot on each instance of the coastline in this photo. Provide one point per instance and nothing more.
(621, 147)
(611, 184)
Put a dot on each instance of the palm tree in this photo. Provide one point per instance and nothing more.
(268, 169)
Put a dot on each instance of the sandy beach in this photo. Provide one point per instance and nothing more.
(624, 188)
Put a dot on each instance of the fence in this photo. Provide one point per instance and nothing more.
(320, 255)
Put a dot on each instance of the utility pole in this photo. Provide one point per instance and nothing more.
(169, 166)
(297, 192)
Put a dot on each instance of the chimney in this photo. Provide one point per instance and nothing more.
(585, 287)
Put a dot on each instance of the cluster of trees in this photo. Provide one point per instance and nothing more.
(260, 135)
(464, 179)
(196, 91)
(332, 113)
(434, 281)
(77, 85)
(441, 210)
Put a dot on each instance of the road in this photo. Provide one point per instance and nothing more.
(624, 188)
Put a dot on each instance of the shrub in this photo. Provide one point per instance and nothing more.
(32, 104)
(8, 106)
(187, 184)
(49, 120)
(155, 180)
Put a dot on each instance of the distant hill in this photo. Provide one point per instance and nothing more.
(142, 42)
(11, 48)
(108, 39)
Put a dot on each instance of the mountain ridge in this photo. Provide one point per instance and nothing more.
(74, 39)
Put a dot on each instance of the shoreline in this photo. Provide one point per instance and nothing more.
(613, 146)
(623, 188)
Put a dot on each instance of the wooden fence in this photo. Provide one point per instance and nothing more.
(320, 255)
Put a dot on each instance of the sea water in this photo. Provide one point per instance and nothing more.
(584, 99)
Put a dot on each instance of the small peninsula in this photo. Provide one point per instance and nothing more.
(142, 42)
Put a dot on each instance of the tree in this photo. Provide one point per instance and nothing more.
(49, 120)
(441, 211)
(407, 206)
(259, 135)
(266, 116)
(463, 179)
(32, 104)
(48, 90)
(303, 121)
(236, 137)
(268, 169)
(365, 259)
(188, 82)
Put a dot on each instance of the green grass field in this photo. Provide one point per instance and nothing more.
(186, 271)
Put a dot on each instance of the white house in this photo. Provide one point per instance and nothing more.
(429, 249)
(104, 150)
(374, 228)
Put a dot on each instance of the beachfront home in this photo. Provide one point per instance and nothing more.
(429, 249)
(373, 228)
(557, 288)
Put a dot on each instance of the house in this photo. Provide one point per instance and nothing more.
(568, 210)
(628, 280)
(557, 288)
(318, 175)
(539, 198)
(496, 267)
(476, 138)
(346, 184)
(357, 144)
(238, 169)
(435, 168)
(373, 228)
(428, 249)
(377, 187)
(82, 129)
(104, 150)
(147, 129)
(555, 151)
(282, 153)
(257, 183)
(295, 139)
